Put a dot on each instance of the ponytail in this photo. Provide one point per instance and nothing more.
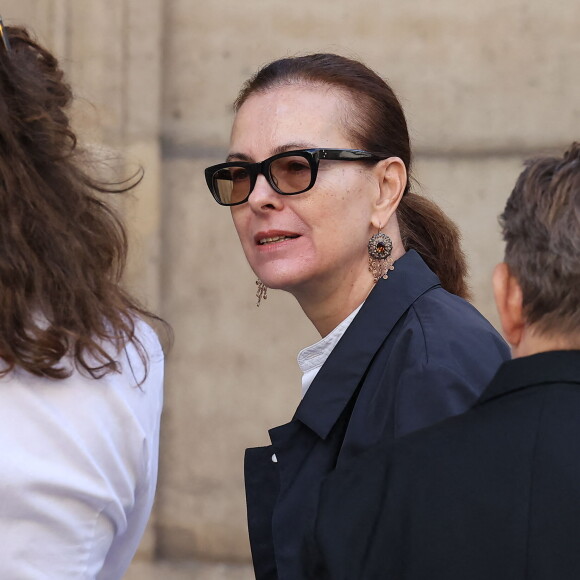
(427, 230)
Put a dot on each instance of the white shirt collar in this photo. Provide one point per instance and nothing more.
(311, 358)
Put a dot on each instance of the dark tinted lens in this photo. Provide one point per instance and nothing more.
(291, 174)
(232, 184)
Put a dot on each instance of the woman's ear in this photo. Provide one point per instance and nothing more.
(509, 303)
(392, 180)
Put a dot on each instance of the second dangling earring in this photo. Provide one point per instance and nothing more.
(380, 248)
(262, 291)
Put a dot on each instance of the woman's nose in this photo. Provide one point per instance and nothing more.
(263, 195)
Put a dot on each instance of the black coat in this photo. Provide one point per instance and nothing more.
(491, 495)
(413, 355)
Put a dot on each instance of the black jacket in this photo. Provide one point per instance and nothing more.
(413, 355)
(492, 494)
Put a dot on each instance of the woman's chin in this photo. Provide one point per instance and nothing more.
(287, 282)
(276, 284)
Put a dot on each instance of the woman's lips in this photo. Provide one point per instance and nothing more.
(274, 237)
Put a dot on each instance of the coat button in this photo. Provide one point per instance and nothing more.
(274, 458)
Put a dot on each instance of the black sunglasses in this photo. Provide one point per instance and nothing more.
(4, 37)
(287, 173)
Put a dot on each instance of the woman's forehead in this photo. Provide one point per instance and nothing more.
(297, 95)
(291, 114)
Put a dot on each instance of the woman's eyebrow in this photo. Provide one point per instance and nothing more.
(279, 149)
(238, 157)
(292, 146)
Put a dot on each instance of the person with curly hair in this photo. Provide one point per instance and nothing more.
(81, 372)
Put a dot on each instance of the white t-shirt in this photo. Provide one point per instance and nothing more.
(78, 468)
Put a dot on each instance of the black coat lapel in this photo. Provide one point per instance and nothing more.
(338, 379)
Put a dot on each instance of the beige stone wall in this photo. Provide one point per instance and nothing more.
(484, 85)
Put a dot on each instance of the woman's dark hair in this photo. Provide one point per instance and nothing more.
(62, 249)
(375, 120)
(541, 228)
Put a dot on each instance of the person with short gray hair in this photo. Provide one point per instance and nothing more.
(494, 492)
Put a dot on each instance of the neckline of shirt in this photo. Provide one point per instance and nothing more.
(311, 358)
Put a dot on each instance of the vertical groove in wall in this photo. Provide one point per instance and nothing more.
(60, 30)
(127, 31)
(164, 268)
(163, 287)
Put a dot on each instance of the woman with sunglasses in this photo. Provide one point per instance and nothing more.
(81, 373)
(317, 179)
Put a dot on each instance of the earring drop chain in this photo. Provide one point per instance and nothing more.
(262, 292)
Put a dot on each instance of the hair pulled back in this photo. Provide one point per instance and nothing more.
(62, 249)
(376, 122)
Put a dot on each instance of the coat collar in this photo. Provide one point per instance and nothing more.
(342, 372)
(559, 366)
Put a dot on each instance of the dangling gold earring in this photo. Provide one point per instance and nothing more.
(380, 248)
(262, 292)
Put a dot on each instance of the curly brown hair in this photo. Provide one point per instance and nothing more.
(541, 228)
(63, 249)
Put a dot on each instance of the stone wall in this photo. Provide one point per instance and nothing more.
(484, 85)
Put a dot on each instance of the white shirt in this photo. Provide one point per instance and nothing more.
(311, 358)
(78, 468)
